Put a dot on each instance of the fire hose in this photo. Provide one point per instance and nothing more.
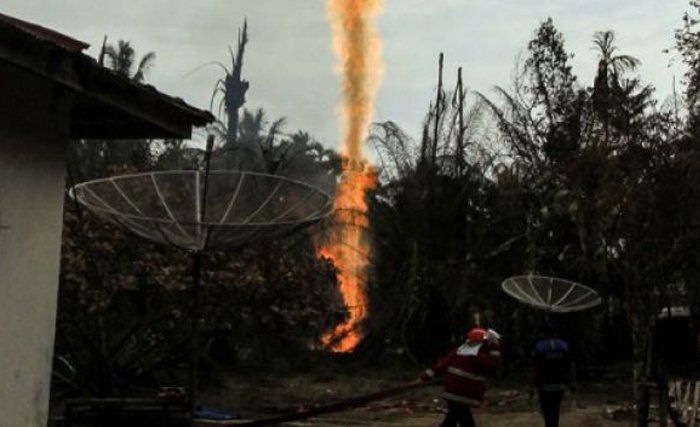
(352, 402)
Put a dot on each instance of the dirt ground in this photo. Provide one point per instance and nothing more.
(253, 396)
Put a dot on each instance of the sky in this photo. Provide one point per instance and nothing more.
(292, 69)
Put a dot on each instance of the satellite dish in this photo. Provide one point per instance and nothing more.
(239, 207)
(551, 294)
(202, 210)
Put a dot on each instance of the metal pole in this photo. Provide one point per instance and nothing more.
(194, 349)
(196, 282)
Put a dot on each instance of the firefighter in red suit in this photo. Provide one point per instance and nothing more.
(466, 369)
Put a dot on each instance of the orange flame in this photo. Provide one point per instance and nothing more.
(358, 47)
(350, 252)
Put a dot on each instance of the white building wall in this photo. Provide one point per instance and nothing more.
(34, 117)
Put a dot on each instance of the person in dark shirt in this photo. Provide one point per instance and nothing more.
(553, 371)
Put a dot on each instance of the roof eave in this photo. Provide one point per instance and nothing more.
(155, 114)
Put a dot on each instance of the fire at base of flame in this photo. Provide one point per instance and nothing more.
(349, 251)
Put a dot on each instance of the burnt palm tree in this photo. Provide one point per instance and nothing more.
(231, 91)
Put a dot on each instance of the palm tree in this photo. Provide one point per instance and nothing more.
(611, 67)
(615, 64)
(92, 159)
(122, 58)
(257, 139)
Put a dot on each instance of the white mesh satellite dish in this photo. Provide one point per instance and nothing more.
(200, 210)
(550, 293)
(239, 207)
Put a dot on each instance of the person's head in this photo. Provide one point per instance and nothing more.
(477, 336)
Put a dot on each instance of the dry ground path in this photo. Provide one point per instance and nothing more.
(580, 418)
(577, 417)
(260, 397)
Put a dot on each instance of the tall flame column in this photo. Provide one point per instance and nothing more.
(358, 48)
